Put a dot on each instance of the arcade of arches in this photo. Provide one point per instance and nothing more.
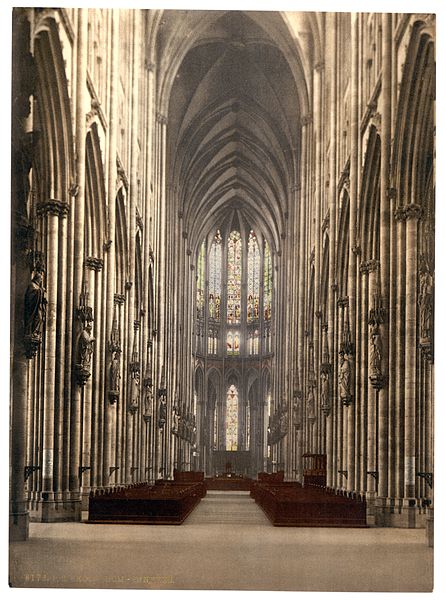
(223, 246)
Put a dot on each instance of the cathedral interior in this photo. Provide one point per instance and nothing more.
(222, 255)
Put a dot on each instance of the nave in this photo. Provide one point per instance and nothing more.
(223, 261)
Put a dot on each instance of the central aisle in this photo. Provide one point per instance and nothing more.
(219, 507)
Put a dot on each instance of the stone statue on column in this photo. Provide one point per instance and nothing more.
(115, 375)
(175, 419)
(162, 401)
(425, 301)
(148, 402)
(325, 392)
(115, 361)
(162, 411)
(85, 340)
(297, 410)
(345, 378)
(34, 314)
(376, 319)
(375, 350)
(148, 386)
(134, 390)
(311, 408)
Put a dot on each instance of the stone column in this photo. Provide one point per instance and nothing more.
(384, 251)
(332, 191)
(51, 211)
(413, 213)
(400, 334)
(99, 396)
(363, 380)
(317, 208)
(353, 447)
(18, 515)
(78, 243)
(92, 265)
(302, 288)
(109, 411)
(60, 416)
(372, 471)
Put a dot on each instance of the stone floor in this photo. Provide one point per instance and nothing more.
(212, 552)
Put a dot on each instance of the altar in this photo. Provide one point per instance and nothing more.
(231, 463)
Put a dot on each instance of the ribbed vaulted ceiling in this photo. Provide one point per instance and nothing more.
(233, 128)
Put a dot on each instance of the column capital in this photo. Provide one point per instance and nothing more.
(58, 208)
(95, 264)
(400, 213)
(408, 212)
(367, 266)
(119, 299)
(413, 211)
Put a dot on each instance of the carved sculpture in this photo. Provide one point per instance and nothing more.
(134, 389)
(115, 375)
(84, 351)
(175, 419)
(311, 410)
(375, 350)
(35, 314)
(162, 411)
(325, 391)
(345, 379)
(425, 301)
(148, 402)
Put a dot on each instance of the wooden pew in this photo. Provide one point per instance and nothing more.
(289, 504)
(165, 503)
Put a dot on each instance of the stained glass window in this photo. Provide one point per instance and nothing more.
(236, 343)
(215, 425)
(232, 418)
(267, 282)
(215, 277)
(230, 342)
(212, 340)
(268, 404)
(234, 277)
(233, 343)
(248, 427)
(253, 278)
(200, 281)
(255, 345)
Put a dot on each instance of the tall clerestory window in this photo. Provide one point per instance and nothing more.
(232, 418)
(200, 281)
(235, 293)
(253, 293)
(267, 295)
(214, 295)
(234, 278)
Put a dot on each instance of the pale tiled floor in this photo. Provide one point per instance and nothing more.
(201, 554)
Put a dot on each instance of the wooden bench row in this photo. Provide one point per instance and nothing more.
(290, 504)
(165, 503)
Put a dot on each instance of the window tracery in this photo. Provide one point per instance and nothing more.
(234, 278)
(253, 278)
(215, 277)
(232, 418)
(234, 294)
